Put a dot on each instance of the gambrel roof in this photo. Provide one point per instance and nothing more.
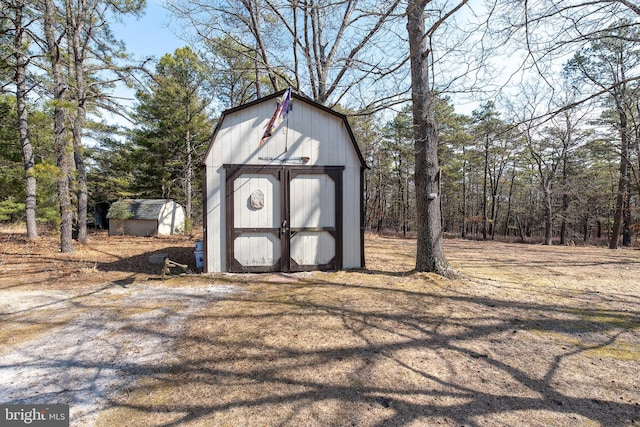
(144, 208)
(295, 97)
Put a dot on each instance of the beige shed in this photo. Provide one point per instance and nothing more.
(147, 217)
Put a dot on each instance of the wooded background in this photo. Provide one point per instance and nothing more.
(549, 152)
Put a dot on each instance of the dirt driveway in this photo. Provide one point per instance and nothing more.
(531, 335)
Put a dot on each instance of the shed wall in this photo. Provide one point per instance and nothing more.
(133, 227)
(171, 219)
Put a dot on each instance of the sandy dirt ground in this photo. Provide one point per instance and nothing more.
(527, 335)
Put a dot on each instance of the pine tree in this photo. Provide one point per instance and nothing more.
(174, 127)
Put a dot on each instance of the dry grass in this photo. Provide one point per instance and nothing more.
(531, 335)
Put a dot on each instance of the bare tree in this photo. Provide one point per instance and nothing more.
(54, 35)
(549, 141)
(76, 20)
(332, 52)
(543, 33)
(20, 22)
(495, 140)
(91, 48)
(430, 254)
(351, 53)
(605, 64)
(546, 157)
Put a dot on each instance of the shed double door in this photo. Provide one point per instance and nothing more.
(283, 218)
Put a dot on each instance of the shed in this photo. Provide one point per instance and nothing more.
(292, 203)
(146, 217)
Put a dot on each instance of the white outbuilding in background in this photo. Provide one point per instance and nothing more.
(146, 217)
(283, 192)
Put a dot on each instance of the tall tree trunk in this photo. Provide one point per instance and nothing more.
(565, 196)
(81, 188)
(403, 204)
(23, 121)
(622, 181)
(60, 139)
(463, 234)
(485, 215)
(430, 254)
(627, 232)
(585, 228)
(548, 218)
(495, 208)
(563, 224)
(567, 142)
(637, 149)
(188, 178)
(565, 200)
(75, 22)
(510, 202)
(521, 231)
(379, 199)
(599, 229)
(495, 212)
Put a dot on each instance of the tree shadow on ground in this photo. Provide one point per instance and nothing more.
(142, 263)
(323, 353)
(38, 263)
(87, 346)
(338, 348)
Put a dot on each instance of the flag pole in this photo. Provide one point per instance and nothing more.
(286, 137)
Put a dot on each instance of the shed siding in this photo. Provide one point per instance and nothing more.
(351, 218)
(215, 220)
(171, 218)
(310, 133)
(138, 227)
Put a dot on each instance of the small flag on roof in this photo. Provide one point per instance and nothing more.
(278, 116)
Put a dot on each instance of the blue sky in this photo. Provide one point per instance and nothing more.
(153, 35)
(149, 35)
(144, 37)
